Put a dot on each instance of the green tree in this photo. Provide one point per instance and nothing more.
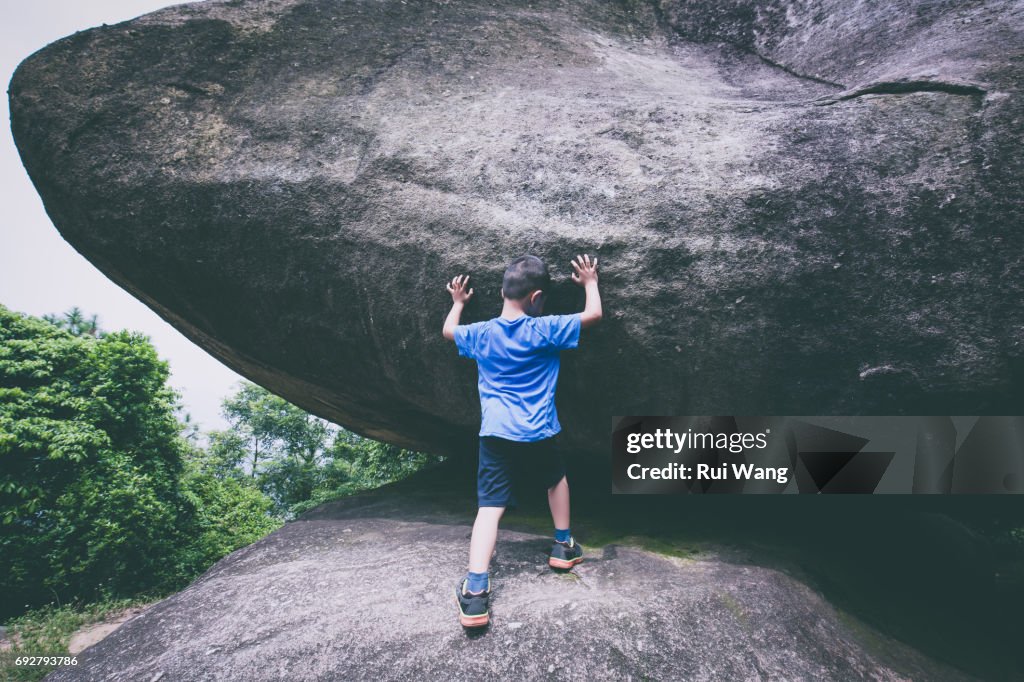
(226, 453)
(90, 459)
(263, 420)
(189, 428)
(76, 322)
(374, 463)
(102, 492)
(300, 460)
(230, 512)
(280, 444)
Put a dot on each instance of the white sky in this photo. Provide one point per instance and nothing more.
(40, 272)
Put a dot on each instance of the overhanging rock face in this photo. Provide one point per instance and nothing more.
(799, 209)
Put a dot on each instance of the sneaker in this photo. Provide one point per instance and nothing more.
(473, 611)
(565, 554)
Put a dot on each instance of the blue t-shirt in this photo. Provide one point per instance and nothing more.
(517, 363)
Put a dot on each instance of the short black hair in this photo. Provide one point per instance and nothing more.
(523, 276)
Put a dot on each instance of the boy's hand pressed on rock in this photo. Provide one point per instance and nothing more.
(586, 277)
(586, 271)
(457, 288)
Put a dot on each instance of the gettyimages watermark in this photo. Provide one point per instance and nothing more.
(812, 455)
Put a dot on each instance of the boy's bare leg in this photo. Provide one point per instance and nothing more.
(558, 500)
(485, 535)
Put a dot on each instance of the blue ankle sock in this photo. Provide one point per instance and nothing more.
(562, 535)
(477, 581)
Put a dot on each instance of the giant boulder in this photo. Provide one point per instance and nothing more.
(799, 208)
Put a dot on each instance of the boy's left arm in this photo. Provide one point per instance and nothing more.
(457, 288)
(586, 277)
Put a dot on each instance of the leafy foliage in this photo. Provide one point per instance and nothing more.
(105, 491)
(230, 512)
(299, 460)
(374, 463)
(95, 497)
(47, 631)
(76, 322)
(91, 457)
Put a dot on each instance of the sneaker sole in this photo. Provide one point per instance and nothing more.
(472, 621)
(563, 563)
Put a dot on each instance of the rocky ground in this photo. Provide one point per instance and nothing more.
(91, 634)
(358, 590)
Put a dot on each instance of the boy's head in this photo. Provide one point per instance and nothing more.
(526, 280)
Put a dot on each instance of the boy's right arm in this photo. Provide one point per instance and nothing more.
(586, 277)
(457, 288)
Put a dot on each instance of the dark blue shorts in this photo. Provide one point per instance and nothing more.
(508, 466)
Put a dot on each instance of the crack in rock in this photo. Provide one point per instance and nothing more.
(904, 87)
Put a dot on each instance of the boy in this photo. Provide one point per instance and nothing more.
(517, 358)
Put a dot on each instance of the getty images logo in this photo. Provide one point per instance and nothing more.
(667, 439)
